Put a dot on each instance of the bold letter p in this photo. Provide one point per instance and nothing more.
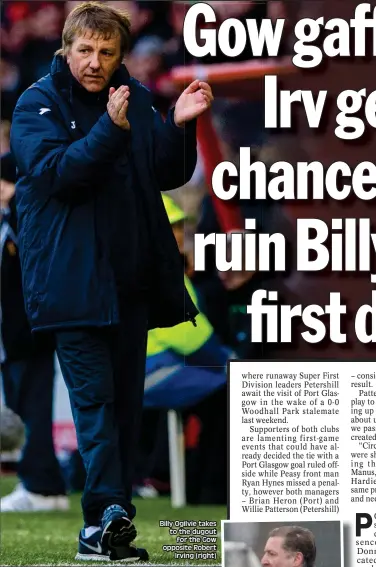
(360, 525)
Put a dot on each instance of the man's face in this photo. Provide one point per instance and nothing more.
(276, 556)
(93, 60)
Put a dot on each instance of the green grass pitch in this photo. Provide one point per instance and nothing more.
(51, 538)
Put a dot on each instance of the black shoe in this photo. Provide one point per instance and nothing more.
(129, 553)
(91, 549)
(117, 529)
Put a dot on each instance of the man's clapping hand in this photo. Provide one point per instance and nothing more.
(196, 98)
(117, 106)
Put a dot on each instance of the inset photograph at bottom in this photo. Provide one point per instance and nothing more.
(282, 544)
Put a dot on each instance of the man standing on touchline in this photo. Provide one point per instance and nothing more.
(92, 156)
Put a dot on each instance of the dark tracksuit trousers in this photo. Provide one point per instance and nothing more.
(104, 370)
(28, 388)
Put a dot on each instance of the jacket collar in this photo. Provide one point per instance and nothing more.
(67, 84)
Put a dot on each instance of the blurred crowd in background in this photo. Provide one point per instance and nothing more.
(30, 35)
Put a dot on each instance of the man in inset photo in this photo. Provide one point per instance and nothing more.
(289, 546)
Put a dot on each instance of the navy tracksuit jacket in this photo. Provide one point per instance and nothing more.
(73, 180)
